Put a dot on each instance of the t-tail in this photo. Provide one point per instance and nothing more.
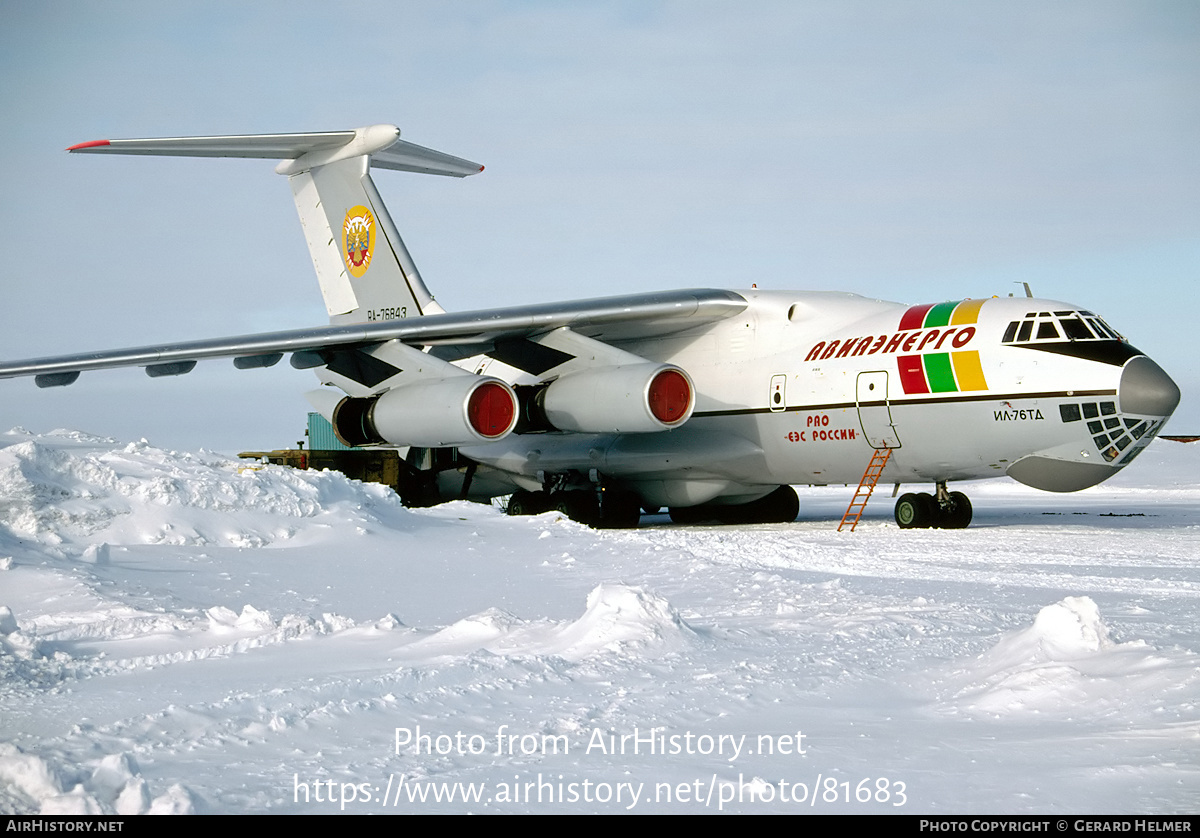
(364, 269)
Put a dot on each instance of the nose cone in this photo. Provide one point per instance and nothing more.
(1146, 390)
(1147, 397)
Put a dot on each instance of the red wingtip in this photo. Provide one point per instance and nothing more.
(92, 144)
(481, 168)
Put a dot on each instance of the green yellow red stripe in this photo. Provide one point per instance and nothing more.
(941, 372)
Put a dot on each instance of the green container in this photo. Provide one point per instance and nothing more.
(321, 436)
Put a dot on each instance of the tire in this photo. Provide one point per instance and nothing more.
(783, 505)
(579, 506)
(958, 516)
(524, 502)
(779, 507)
(619, 511)
(915, 511)
(691, 514)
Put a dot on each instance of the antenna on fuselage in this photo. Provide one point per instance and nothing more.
(1028, 293)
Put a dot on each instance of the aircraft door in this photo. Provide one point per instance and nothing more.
(874, 410)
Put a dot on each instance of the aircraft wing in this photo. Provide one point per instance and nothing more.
(611, 318)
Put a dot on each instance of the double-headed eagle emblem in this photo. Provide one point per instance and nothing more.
(358, 240)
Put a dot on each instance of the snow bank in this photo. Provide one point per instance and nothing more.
(113, 787)
(1066, 663)
(78, 495)
(618, 619)
(621, 618)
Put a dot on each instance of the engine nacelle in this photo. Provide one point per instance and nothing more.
(461, 410)
(631, 398)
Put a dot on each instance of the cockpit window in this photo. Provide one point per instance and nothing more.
(1076, 329)
(1103, 328)
(1054, 326)
(1047, 330)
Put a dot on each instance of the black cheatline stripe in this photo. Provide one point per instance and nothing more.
(1057, 394)
(1112, 352)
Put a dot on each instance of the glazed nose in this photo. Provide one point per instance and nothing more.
(1146, 390)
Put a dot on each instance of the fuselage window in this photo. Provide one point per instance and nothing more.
(1047, 331)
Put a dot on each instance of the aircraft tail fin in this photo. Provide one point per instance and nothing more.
(364, 269)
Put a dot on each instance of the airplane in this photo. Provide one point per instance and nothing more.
(712, 403)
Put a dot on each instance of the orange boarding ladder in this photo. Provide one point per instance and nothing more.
(866, 486)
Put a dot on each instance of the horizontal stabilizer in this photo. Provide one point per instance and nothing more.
(299, 151)
(266, 146)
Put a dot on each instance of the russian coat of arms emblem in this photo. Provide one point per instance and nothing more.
(358, 240)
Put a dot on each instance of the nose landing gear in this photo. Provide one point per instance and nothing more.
(945, 510)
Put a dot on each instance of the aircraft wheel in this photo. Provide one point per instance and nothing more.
(783, 505)
(524, 502)
(619, 511)
(915, 511)
(958, 516)
(779, 507)
(579, 506)
(690, 514)
(734, 515)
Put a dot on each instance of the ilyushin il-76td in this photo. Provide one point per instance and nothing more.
(711, 403)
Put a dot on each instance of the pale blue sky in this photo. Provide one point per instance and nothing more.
(911, 151)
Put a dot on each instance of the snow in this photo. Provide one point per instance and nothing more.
(180, 633)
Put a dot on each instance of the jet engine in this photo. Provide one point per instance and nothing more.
(461, 410)
(630, 398)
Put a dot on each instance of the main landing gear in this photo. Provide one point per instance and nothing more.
(613, 508)
(779, 507)
(606, 509)
(945, 510)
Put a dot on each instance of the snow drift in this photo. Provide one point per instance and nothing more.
(181, 634)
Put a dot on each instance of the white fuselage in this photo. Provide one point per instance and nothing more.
(800, 388)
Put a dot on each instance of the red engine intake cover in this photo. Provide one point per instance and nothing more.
(490, 410)
(669, 396)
